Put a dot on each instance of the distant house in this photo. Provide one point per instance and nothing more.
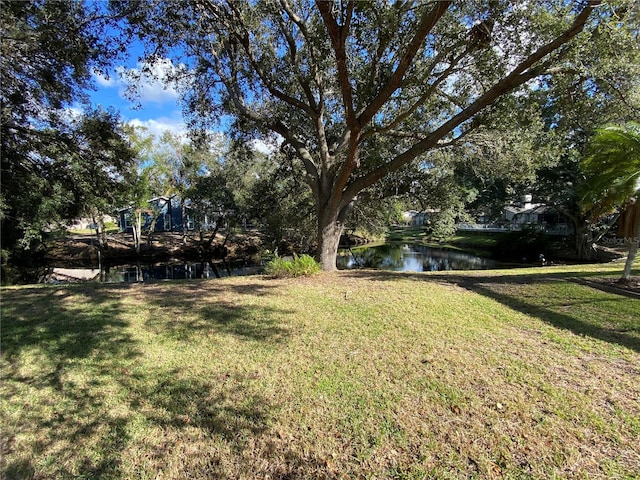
(167, 212)
(523, 213)
(416, 218)
(537, 215)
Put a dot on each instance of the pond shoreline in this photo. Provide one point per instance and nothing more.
(82, 250)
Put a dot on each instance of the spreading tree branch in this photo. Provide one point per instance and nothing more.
(427, 22)
(522, 73)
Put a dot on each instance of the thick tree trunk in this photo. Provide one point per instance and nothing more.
(630, 228)
(330, 226)
(329, 232)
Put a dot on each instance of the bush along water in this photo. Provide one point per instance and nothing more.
(297, 266)
(528, 246)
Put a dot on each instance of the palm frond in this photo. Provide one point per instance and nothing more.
(611, 168)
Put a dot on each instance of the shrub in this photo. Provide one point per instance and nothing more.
(523, 246)
(292, 267)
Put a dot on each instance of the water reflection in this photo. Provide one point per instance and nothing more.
(408, 257)
(143, 272)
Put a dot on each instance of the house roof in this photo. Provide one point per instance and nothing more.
(538, 208)
(531, 208)
(161, 197)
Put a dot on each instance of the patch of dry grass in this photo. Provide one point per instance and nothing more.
(508, 374)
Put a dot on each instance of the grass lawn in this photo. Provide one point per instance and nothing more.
(502, 374)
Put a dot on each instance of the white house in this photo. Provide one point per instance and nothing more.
(416, 218)
(538, 215)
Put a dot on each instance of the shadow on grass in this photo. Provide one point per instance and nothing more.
(221, 427)
(223, 406)
(578, 308)
(215, 310)
(608, 326)
(45, 332)
(64, 323)
(72, 385)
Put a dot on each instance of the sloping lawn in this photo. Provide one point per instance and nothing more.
(504, 374)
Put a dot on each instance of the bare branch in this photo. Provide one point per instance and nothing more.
(302, 152)
(242, 37)
(338, 35)
(304, 84)
(401, 117)
(305, 33)
(427, 22)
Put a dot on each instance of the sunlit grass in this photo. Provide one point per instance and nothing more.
(514, 373)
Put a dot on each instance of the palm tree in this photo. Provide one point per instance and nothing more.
(612, 170)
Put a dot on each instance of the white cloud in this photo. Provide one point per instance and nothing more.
(155, 83)
(157, 127)
(104, 81)
(267, 147)
(262, 147)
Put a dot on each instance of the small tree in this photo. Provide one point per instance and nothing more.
(612, 169)
(283, 206)
(212, 200)
(140, 185)
(101, 168)
(139, 195)
(174, 169)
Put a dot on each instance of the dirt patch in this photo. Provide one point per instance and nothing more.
(81, 250)
(614, 285)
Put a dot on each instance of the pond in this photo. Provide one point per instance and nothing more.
(145, 272)
(411, 257)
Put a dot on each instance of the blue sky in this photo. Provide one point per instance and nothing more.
(155, 105)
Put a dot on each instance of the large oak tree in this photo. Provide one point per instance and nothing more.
(357, 90)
